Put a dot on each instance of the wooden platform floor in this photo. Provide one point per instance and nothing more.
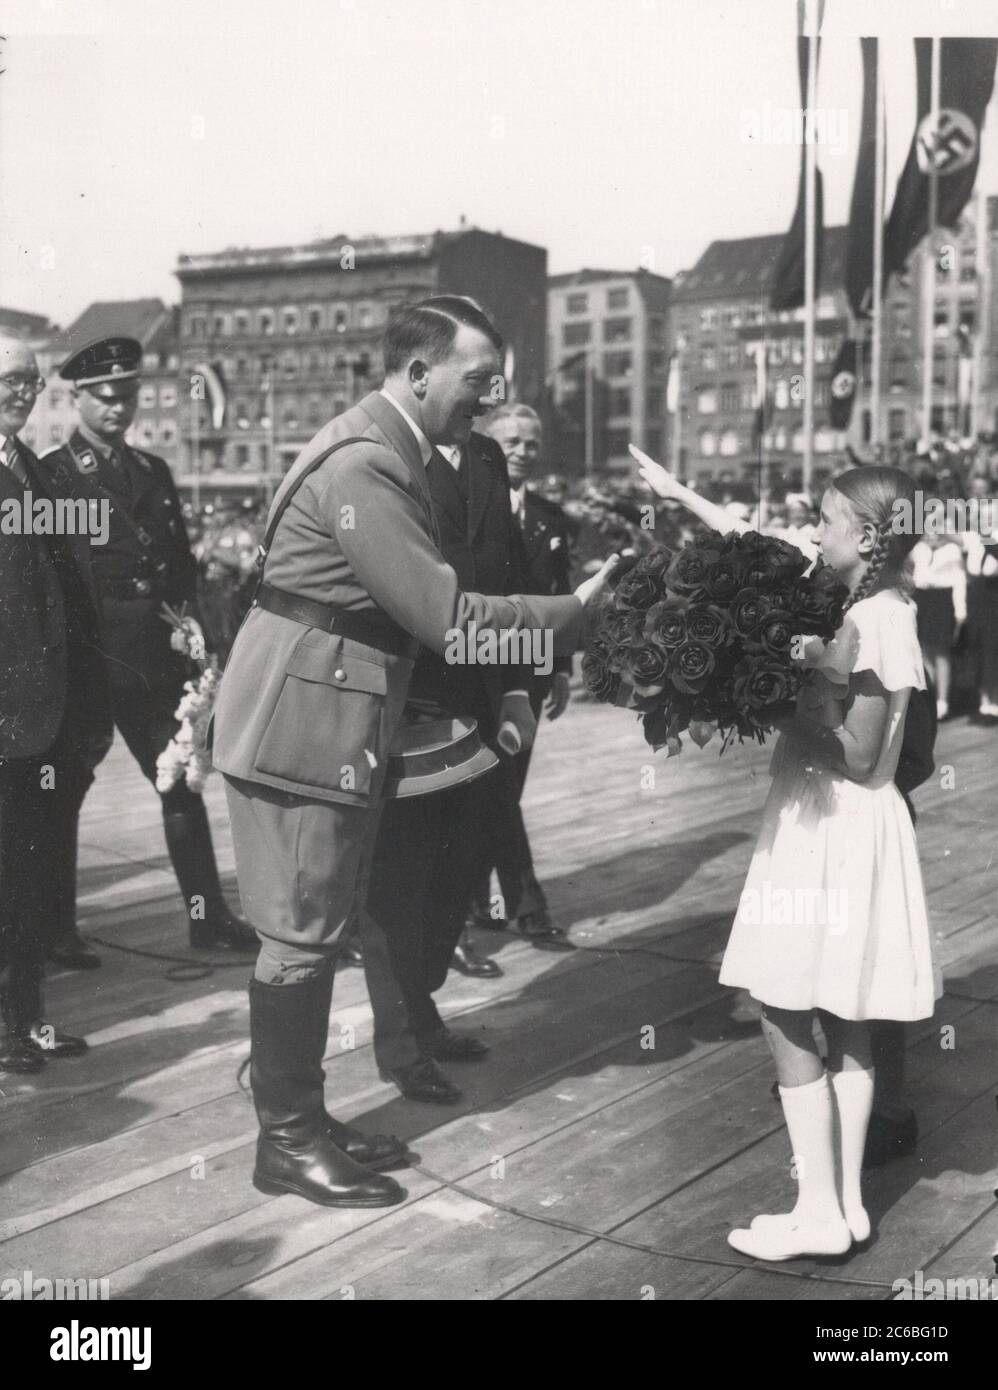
(621, 1125)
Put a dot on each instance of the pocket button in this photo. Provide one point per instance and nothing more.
(339, 674)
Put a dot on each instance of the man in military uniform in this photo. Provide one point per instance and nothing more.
(145, 563)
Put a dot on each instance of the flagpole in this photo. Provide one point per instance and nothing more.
(879, 164)
(929, 264)
(982, 315)
(677, 434)
(810, 208)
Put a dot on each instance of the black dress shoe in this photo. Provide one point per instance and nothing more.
(378, 1151)
(424, 1081)
(467, 960)
(47, 1041)
(352, 954)
(539, 930)
(222, 930)
(72, 952)
(458, 1047)
(19, 1055)
(888, 1139)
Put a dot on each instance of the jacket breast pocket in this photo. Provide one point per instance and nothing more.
(326, 730)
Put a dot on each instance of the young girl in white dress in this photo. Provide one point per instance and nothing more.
(833, 916)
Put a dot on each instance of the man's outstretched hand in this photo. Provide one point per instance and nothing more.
(590, 589)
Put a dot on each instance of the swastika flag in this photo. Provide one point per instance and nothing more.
(952, 145)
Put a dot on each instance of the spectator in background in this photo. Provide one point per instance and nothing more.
(941, 599)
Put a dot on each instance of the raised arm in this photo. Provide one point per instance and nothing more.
(662, 482)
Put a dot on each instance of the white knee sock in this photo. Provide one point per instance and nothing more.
(853, 1091)
(816, 1225)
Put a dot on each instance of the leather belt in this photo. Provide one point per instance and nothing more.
(374, 629)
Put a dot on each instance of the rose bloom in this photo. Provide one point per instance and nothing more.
(747, 610)
(646, 668)
(665, 622)
(707, 623)
(689, 572)
(638, 590)
(599, 678)
(691, 667)
(760, 683)
(776, 631)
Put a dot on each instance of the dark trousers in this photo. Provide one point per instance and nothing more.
(146, 721)
(39, 801)
(507, 846)
(423, 868)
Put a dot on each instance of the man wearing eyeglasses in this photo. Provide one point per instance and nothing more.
(145, 563)
(55, 723)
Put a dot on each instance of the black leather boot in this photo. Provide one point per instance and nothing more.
(192, 854)
(294, 1152)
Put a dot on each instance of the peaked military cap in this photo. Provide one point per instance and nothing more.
(108, 359)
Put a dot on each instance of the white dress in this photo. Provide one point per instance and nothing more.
(833, 912)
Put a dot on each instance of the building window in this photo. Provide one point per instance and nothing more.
(289, 364)
(729, 397)
(291, 415)
(653, 443)
(314, 412)
(708, 357)
(218, 326)
(730, 354)
(577, 304)
(617, 299)
(619, 400)
(168, 396)
(147, 397)
(896, 423)
(707, 444)
(242, 456)
(167, 432)
(314, 320)
(821, 392)
(267, 323)
(658, 364)
(195, 325)
(781, 394)
(616, 330)
(653, 403)
(729, 443)
(341, 319)
(241, 323)
(617, 442)
(365, 316)
(241, 366)
(656, 329)
(146, 432)
(291, 321)
(314, 366)
(708, 318)
(574, 334)
(617, 364)
(241, 413)
(706, 401)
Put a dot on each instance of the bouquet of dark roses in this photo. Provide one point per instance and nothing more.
(705, 639)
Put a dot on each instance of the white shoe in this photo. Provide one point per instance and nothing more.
(788, 1236)
(989, 709)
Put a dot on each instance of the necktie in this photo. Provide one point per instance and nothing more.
(10, 459)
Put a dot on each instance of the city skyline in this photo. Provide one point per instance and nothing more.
(155, 142)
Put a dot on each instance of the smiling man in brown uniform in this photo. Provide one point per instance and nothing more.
(313, 694)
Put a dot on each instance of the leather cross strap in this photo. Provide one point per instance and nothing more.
(371, 627)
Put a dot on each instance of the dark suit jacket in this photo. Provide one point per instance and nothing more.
(46, 601)
(297, 704)
(546, 539)
(479, 538)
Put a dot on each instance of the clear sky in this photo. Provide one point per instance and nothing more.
(607, 130)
